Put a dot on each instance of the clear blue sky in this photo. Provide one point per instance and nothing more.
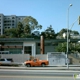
(47, 12)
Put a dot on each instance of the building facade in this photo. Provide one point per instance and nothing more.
(25, 46)
(21, 48)
(28, 45)
(9, 21)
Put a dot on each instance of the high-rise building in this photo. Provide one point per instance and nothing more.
(9, 21)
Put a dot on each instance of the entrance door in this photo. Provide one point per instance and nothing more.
(28, 50)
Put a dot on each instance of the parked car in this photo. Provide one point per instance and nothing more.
(6, 61)
(36, 62)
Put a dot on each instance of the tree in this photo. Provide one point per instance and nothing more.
(11, 32)
(14, 32)
(49, 33)
(76, 47)
(27, 29)
(3, 36)
(76, 32)
(36, 34)
(62, 31)
(32, 23)
(26, 32)
(73, 47)
(61, 47)
(70, 32)
(19, 29)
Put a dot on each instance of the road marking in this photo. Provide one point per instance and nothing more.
(37, 70)
(4, 76)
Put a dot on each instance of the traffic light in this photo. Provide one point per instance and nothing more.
(79, 20)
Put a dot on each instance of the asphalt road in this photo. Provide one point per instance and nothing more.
(41, 68)
(19, 77)
(36, 74)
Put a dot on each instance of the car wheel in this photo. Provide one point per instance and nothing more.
(43, 65)
(28, 65)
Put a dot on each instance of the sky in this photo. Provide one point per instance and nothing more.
(46, 12)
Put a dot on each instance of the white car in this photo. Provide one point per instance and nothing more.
(5, 61)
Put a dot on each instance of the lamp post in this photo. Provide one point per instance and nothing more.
(68, 35)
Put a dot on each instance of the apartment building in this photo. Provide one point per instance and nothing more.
(9, 21)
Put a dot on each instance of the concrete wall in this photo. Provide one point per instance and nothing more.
(42, 56)
(56, 58)
(16, 57)
(22, 57)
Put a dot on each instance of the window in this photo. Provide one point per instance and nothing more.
(28, 49)
(10, 59)
(12, 17)
(19, 18)
(8, 27)
(2, 59)
(38, 44)
(35, 60)
(12, 24)
(12, 20)
(5, 25)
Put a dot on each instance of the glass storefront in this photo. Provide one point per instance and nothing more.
(11, 51)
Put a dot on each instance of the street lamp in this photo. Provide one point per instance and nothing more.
(68, 34)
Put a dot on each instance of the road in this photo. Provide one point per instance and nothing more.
(19, 77)
(43, 68)
(17, 74)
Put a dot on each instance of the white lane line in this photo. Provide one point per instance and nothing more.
(37, 70)
(4, 76)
